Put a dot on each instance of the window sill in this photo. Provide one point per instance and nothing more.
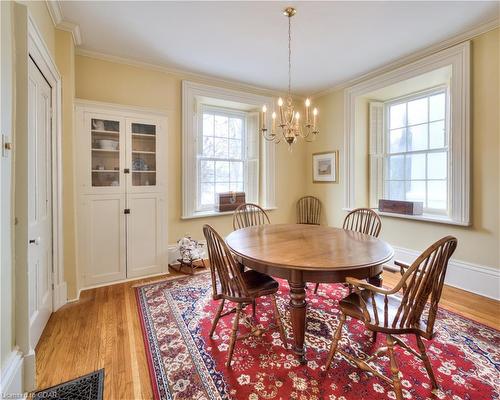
(210, 214)
(425, 218)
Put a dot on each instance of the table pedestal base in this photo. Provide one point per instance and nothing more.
(298, 307)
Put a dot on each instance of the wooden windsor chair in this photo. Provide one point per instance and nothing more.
(382, 311)
(362, 220)
(230, 283)
(249, 214)
(308, 210)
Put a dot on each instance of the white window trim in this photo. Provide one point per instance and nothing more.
(192, 92)
(458, 57)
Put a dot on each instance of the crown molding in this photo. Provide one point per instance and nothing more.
(60, 23)
(185, 75)
(427, 51)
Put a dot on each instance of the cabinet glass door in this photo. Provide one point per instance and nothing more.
(105, 159)
(143, 154)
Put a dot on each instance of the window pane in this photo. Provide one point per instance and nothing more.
(236, 171)
(436, 135)
(396, 167)
(208, 146)
(207, 171)
(415, 166)
(220, 148)
(436, 165)
(415, 191)
(417, 137)
(235, 128)
(234, 148)
(397, 116)
(208, 125)
(222, 187)
(397, 141)
(437, 107)
(437, 195)
(236, 186)
(396, 190)
(222, 171)
(207, 194)
(417, 111)
(221, 126)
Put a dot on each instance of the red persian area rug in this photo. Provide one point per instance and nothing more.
(184, 363)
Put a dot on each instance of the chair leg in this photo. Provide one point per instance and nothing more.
(316, 288)
(426, 361)
(374, 337)
(394, 368)
(217, 317)
(277, 316)
(234, 333)
(336, 338)
(253, 308)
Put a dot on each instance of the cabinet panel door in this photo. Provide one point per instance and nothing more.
(145, 247)
(104, 239)
(144, 138)
(100, 153)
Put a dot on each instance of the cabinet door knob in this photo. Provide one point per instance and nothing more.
(126, 170)
(126, 211)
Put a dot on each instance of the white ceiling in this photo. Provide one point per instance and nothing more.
(247, 41)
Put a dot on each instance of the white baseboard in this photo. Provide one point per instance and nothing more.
(137, 278)
(474, 278)
(11, 376)
(60, 295)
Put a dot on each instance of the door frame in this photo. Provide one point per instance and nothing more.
(39, 53)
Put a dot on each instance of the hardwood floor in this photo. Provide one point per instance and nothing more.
(102, 330)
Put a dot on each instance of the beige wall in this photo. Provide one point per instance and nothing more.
(124, 84)
(478, 243)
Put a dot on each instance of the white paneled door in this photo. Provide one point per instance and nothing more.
(39, 202)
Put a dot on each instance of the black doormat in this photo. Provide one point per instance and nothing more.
(87, 387)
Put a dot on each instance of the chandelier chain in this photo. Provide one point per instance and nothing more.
(289, 56)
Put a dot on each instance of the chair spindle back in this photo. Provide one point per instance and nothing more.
(308, 210)
(249, 214)
(363, 220)
(223, 267)
(423, 281)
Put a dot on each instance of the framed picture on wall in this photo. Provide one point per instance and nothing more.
(325, 166)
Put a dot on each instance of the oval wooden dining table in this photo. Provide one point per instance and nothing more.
(309, 253)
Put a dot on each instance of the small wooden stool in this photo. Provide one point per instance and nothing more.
(190, 266)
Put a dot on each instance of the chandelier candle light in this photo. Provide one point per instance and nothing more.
(289, 120)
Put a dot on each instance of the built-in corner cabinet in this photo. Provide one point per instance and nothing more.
(120, 183)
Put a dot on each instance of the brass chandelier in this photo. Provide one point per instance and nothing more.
(288, 124)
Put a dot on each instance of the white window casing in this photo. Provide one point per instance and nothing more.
(260, 157)
(458, 58)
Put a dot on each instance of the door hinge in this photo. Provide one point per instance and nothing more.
(52, 286)
(126, 211)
